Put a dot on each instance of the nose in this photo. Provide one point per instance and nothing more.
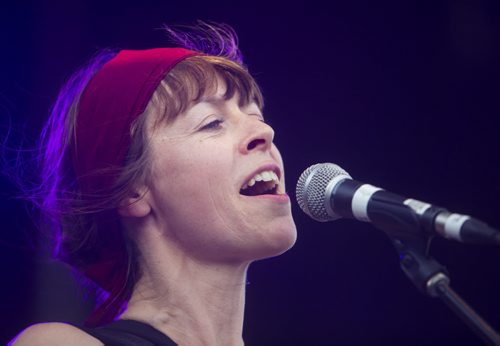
(258, 136)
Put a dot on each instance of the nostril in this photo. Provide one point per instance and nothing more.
(255, 143)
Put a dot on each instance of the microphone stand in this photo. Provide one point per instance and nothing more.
(431, 278)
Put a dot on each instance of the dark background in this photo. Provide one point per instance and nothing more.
(401, 94)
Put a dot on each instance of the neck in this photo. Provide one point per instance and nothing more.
(191, 301)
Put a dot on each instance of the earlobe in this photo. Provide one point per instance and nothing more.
(136, 205)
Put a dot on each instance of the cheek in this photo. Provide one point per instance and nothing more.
(175, 159)
(187, 183)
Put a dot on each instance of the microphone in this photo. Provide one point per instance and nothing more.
(326, 192)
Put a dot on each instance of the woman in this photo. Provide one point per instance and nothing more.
(163, 184)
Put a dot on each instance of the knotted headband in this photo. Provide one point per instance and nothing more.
(110, 103)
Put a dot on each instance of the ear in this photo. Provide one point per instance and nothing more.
(135, 205)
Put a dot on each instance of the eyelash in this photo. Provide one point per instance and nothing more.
(216, 124)
(213, 125)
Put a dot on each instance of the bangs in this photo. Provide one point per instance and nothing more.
(198, 76)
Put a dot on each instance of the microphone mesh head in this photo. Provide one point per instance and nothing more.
(311, 189)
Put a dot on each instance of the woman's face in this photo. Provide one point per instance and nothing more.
(201, 163)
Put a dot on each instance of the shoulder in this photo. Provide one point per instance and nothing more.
(54, 334)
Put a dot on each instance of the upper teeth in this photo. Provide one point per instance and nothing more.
(262, 176)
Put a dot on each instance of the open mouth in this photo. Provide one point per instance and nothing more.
(263, 183)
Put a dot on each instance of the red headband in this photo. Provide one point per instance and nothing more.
(112, 100)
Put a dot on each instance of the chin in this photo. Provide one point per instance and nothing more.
(280, 240)
(265, 242)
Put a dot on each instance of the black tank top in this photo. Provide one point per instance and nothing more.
(129, 333)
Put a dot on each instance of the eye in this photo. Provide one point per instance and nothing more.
(213, 125)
